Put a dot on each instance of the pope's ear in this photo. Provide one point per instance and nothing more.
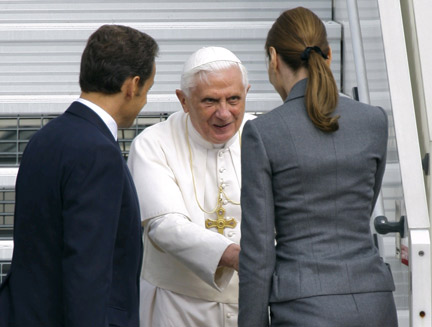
(182, 98)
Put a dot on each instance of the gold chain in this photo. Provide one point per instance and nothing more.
(228, 199)
(219, 196)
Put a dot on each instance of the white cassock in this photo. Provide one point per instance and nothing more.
(181, 284)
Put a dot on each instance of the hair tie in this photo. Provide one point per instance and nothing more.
(306, 53)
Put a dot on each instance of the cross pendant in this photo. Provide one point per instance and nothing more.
(220, 223)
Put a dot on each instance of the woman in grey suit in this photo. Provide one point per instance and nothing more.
(311, 173)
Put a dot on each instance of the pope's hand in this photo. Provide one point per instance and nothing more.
(230, 257)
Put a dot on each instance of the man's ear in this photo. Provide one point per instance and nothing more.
(183, 101)
(136, 85)
(131, 87)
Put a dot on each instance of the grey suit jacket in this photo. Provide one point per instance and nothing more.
(314, 193)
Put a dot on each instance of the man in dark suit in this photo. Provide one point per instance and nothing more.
(77, 253)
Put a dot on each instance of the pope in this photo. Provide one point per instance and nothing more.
(187, 174)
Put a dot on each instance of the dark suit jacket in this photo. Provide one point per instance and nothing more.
(314, 193)
(77, 235)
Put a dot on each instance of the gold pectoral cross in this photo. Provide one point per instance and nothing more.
(220, 223)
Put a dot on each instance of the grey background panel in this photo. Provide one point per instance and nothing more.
(132, 11)
(42, 60)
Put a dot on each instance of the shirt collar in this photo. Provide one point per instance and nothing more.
(106, 118)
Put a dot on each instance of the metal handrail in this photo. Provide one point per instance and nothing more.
(362, 82)
(417, 213)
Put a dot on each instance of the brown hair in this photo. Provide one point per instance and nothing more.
(294, 31)
(114, 53)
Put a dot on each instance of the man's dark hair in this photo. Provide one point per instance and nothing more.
(113, 54)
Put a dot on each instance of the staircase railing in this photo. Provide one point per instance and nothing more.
(408, 149)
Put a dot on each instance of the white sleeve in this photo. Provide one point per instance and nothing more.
(155, 182)
(164, 211)
(197, 248)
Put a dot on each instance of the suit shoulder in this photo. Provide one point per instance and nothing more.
(349, 104)
(362, 112)
(74, 136)
(272, 118)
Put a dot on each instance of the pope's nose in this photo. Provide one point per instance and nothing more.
(223, 111)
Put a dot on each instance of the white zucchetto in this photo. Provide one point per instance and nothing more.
(207, 55)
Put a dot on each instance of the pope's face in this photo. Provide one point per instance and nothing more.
(216, 107)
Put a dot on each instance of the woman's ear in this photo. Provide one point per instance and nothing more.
(273, 60)
(329, 57)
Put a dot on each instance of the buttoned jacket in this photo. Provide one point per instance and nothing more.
(312, 193)
(77, 232)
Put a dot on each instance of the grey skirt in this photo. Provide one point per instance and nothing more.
(352, 310)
